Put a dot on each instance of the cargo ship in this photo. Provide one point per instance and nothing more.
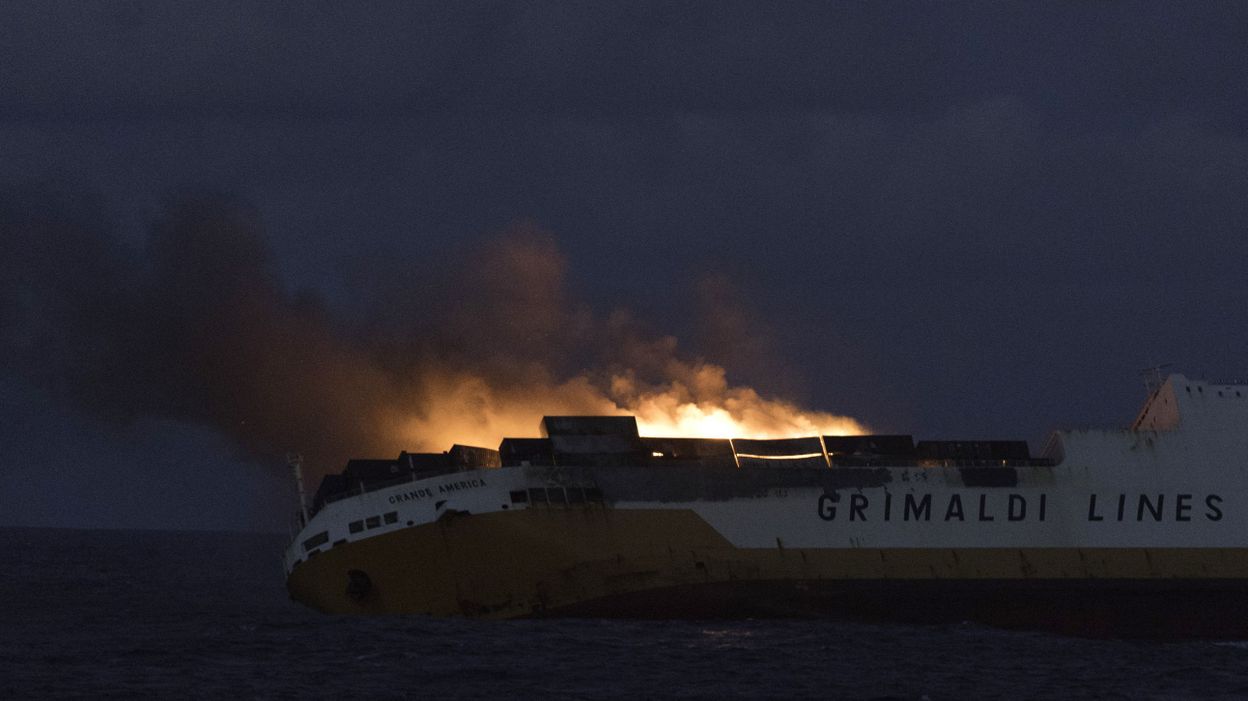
(1134, 531)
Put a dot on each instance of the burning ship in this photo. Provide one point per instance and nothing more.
(1142, 530)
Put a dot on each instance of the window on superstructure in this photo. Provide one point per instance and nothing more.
(356, 526)
(392, 517)
(556, 495)
(316, 541)
(537, 495)
(519, 496)
(372, 522)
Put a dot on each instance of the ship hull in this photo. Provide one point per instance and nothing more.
(597, 561)
(1140, 531)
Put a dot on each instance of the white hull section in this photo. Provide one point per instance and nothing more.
(1169, 482)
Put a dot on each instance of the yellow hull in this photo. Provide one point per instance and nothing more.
(661, 563)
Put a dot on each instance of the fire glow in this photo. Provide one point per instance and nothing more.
(468, 347)
(473, 411)
(743, 415)
(633, 372)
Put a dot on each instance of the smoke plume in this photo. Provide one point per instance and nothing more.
(195, 325)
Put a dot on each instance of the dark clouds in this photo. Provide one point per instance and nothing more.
(952, 218)
(618, 62)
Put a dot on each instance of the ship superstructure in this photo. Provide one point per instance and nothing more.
(1135, 530)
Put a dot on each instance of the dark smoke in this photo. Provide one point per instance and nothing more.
(193, 327)
(196, 325)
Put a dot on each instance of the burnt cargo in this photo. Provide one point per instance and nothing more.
(973, 450)
(425, 463)
(514, 452)
(597, 449)
(589, 426)
(689, 452)
(604, 443)
(870, 446)
(331, 486)
(607, 459)
(366, 472)
(467, 457)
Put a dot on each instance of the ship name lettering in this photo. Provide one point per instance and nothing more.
(986, 507)
(983, 509)
(1153, 507)
(422, 493)
(427, 492)
(922, 507)
(857, 502)
(462, 484)
(827, 507)
(1214, 513)
(955, 508)
(1016, 500)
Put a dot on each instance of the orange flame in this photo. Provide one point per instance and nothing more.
(704, 405)
(470, 410)
(744, 416)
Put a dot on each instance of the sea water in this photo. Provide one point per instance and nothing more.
(186, 614)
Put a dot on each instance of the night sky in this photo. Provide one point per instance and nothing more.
(947, 219)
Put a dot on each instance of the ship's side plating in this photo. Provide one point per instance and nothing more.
(1137, 525)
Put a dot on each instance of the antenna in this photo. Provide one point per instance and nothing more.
(295, 462)
(1153, 377)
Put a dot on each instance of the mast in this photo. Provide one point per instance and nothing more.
(295, 462)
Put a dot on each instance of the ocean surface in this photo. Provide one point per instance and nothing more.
(184, 614)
